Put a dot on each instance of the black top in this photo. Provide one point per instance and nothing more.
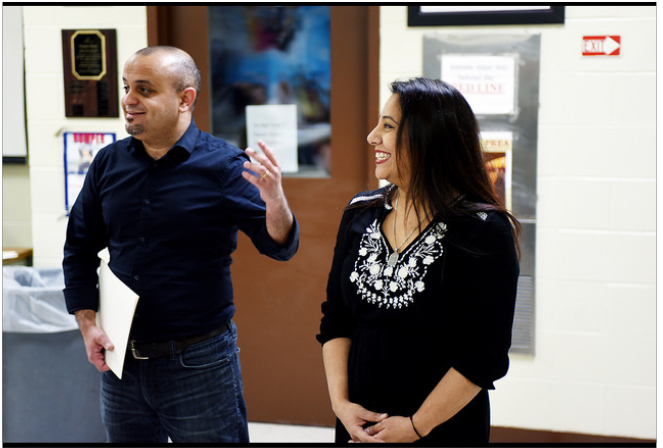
(171, 227)
(448, 302)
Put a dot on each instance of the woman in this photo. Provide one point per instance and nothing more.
(421, 294)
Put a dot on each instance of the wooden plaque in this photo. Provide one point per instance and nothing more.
(89, 60)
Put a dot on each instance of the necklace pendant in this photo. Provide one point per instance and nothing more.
(393, 259)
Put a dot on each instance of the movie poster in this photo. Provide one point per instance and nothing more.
(497, 147)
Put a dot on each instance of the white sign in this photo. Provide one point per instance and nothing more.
(488, 83)
(276, 125)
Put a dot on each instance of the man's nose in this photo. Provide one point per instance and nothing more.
(129, 98)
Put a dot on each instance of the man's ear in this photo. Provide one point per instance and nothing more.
(187, 98)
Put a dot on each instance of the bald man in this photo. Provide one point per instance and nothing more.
(167, 202)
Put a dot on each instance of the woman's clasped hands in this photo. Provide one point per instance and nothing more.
(365, 426)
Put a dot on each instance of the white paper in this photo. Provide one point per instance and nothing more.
(117, 304)
(276, 125)
(6, 254)
(488, 83)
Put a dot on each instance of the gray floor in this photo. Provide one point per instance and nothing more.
(273, 433)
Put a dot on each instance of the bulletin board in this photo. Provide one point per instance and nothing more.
(499, 76)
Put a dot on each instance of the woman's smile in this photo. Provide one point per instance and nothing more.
(381, 156)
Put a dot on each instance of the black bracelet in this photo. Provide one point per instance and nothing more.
(415, 429)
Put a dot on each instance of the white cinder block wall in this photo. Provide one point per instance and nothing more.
(595, 365)
(46, 119)
(594, 369)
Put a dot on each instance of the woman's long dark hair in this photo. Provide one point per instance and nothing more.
(440, 134)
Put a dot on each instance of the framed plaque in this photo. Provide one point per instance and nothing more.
(89, 60)
(484, 14)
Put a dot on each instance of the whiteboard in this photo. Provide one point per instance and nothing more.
(14, 146)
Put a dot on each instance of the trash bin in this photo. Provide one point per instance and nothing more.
(50, 392)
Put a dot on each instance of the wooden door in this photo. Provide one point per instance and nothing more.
(278, 304)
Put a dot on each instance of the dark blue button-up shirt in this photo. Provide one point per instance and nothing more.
(170, 226)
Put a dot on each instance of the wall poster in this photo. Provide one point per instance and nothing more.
(497, 147)
(79, 151)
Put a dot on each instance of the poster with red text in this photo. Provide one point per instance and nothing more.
(79, 151)
(498, 151)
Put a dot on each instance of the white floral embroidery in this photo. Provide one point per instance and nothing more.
(394, 287)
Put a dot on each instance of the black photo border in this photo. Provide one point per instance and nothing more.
(507, 17)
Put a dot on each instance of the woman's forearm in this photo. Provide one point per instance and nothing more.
(335, 358)
(451, 394)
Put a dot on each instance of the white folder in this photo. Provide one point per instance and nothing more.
(117, 304)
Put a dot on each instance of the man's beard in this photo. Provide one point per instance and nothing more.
(133, 129)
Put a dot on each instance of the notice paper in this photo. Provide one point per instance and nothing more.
(276, 125)
(117, 304)
(488, 83)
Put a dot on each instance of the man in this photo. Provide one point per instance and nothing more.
(167, 202)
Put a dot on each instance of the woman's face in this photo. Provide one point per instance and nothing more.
(383, 138)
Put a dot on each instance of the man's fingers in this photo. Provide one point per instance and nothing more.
(267, 158)
(103, 340)
(268, 151)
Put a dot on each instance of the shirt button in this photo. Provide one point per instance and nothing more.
(146, 201)
(142, 239)
(136, 277)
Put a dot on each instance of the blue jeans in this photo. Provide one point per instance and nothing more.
(193, 397)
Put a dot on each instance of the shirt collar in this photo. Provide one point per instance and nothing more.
(186, 142)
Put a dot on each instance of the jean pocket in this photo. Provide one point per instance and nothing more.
(206, 355)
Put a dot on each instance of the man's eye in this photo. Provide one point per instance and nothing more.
(126, 89)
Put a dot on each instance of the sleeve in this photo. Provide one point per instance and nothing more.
(248, 211)
(486, 301)
(86, 236)
(337, 319)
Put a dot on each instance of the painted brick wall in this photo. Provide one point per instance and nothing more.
(45, 107)
(594, 370)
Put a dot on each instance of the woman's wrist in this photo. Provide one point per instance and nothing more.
(420, 425)
(414, 427)
(339, 404)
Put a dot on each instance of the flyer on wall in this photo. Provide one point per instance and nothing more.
(79, 151)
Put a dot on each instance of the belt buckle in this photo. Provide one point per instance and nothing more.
(135, 353)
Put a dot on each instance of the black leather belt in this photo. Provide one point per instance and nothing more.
(147, 350)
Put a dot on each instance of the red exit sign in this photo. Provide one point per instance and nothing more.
(601, 45)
